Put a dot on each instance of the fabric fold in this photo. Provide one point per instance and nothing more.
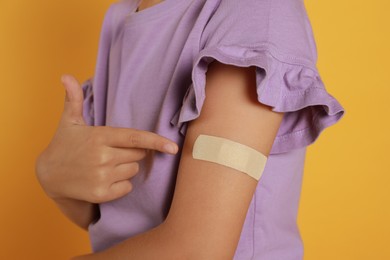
(287, 84)
(88, 110)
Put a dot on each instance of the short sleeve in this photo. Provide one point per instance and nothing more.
(88, 110)
(276, 37)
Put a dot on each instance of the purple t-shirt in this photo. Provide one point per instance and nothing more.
(150, 75)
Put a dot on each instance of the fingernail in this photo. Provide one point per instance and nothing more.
(170, 148)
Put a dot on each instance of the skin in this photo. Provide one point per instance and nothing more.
(85, 165)
(147, 3)
(210, 200)
(77, 182)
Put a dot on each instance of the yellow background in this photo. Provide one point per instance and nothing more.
(344, 212)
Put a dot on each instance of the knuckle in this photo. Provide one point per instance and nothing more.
(134, 139)
(103, 157)
(100, 176)
(160, 144)
(98, 136)
(99, 139)
(157, 143)
(99, 194)
(135, 167)
(130, 186)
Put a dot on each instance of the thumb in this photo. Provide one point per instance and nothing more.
(74, 99)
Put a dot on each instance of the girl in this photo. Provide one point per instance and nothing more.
(121, 164)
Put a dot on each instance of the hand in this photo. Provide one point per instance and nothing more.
(92, 163)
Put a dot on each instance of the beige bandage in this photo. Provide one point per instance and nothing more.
(229, 153)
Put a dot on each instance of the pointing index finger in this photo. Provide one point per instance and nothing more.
(134, 138)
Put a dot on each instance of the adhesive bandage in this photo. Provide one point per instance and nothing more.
(229, 153)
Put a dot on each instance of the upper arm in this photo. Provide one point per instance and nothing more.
(210, 200)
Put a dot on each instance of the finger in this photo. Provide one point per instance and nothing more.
(125, 171)
(74, 98)
(133, 138)
(127, 155)
(119, 189)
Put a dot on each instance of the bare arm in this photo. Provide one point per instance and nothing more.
(210, 200)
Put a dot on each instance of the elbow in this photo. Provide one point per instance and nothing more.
(194, 246)
(184, 244)
(206, 254)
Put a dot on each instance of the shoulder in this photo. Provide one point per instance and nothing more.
(282, 25)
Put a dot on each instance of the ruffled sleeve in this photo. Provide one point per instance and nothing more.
(286, 75)
(88, 110)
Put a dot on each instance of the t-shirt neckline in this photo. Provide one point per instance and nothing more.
(161, 9)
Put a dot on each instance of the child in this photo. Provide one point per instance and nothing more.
(166, 74)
